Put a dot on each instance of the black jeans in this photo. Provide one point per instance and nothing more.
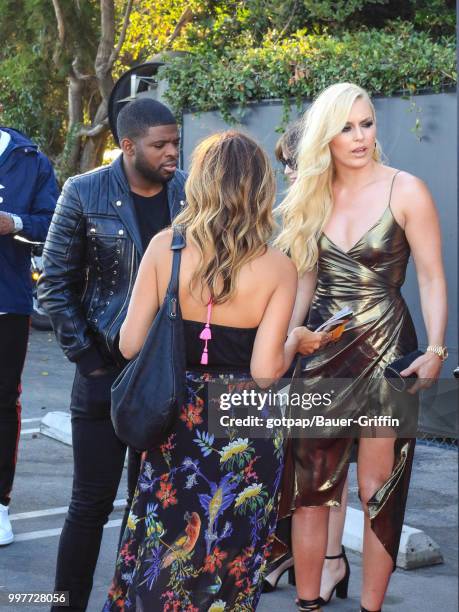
(14, 333)
(98, 463)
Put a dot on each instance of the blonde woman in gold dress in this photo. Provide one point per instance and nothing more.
(350, 224)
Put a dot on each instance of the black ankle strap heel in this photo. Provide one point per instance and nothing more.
(362, 609)
(309, 605)
(341, 555)
(342, 586)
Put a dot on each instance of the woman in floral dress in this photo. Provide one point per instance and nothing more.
(203, 516)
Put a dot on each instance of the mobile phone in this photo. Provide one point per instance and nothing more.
(336, 328)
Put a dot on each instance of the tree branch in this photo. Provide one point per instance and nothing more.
(60, 20)
(289, 21)
(102, 66)
(122, 38)
(184, 20)
(79, 75)
(91, 132)
(107, 37)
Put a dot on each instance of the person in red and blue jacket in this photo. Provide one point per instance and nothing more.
(28, 195)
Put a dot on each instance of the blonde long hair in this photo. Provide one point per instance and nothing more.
(230, 193)
(309, 201)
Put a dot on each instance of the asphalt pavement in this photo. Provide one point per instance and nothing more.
(42, 491)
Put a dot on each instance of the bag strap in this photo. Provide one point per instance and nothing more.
(178, 243)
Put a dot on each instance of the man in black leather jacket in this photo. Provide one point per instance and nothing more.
(103, 222)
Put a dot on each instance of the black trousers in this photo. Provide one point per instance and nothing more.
(98, 463)
(14, 333)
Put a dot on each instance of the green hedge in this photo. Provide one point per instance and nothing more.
(383, 61)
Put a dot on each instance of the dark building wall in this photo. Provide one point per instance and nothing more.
(430, 153)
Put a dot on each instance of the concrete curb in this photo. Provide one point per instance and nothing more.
(57, 425)
(416, 550)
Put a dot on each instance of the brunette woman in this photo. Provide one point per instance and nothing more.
(202, 519)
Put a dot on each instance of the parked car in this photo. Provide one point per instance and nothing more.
(39, 319)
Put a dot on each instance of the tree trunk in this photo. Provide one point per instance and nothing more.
(73, 140)
(93, 151)
(85, 144)
(96, 137)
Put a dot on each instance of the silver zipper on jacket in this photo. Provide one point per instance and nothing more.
(125, 301)
(83, 295)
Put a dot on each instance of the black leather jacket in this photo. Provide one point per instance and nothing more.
(90, 261)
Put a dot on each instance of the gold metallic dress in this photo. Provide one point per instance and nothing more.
(367, 278)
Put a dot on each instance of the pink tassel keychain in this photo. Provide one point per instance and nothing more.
(206, 335)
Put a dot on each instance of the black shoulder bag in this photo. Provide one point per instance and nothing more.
(149, 392)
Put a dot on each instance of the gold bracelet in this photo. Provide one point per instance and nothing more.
(440, 351)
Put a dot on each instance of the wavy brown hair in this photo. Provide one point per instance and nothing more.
(230, 193)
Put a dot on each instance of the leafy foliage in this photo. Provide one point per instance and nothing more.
(383, 61)
(151, 24)
(237, 51)
(29, 83)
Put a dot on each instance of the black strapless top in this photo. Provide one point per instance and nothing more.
(230, 347)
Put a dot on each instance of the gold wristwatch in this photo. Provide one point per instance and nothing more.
(441, 351)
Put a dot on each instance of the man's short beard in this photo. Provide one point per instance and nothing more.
(148, 173)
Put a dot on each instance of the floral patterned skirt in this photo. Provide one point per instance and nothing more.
(202, 520)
